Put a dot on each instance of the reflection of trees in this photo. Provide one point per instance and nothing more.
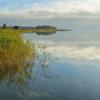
(45, 33)
(15, 76)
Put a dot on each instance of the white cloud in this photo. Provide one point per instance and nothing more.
(56, 8)
(75, 53)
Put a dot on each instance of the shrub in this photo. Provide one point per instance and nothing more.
(14, 52)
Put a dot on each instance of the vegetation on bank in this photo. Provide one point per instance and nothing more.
(38, 29)
(34, 30)
(45, 28)
(15, 59)
(14, 52)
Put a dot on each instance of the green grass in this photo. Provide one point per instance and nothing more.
(14, 52)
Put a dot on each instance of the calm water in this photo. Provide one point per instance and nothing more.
(66, 67)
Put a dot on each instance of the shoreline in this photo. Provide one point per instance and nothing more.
(37, 29)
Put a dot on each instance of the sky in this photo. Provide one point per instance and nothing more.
(48, 9)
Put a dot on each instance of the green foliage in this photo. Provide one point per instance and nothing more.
(14, 52)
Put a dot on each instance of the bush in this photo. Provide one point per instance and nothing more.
(14, 52)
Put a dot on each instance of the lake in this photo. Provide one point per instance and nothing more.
(66, 67)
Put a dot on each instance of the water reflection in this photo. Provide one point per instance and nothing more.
(45, 33)
(42, 61)
(19, 78)
(77, 64)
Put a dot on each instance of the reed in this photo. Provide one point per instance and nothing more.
(14, 52)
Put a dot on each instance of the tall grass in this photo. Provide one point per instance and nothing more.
(14, 52)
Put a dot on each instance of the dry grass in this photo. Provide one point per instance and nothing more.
(13, 51)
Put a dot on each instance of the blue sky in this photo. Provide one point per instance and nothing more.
(31, 9)
(14, 4)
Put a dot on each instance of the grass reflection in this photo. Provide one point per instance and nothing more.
(42, 62)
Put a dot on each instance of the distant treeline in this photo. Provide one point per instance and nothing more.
(46, 27)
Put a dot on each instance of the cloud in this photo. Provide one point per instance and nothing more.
(75, 53)
(54, 9)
